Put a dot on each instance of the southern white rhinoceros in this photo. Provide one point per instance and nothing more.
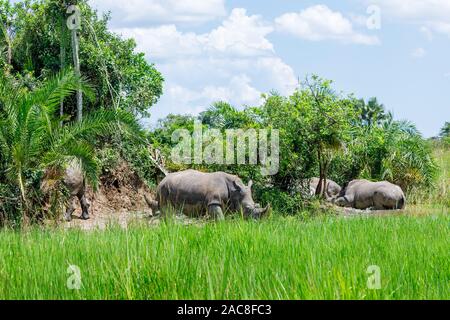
(364, 194)
(332, 188)
(73, 180)
(196, 192)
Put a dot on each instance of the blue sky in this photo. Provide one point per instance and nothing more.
(235, 50)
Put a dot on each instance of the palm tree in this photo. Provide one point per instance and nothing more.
(445, 131)
(372, 112)
(31, 138)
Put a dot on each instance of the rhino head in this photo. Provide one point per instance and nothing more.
(246, 203)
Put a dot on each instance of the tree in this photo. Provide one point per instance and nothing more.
(222, 115)
(372, 112)
(329, 121)
(6, 33)
(32, 140)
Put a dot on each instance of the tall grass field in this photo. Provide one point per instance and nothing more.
(278, 258)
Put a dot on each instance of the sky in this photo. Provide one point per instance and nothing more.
(235, 50)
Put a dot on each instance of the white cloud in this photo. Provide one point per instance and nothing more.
(239, 35)
(433, 15)
(234, 62)
(237, 91)
(140, 13)
(418, 53)
(321, 23)
(165, 42)
(194, 83)
(416, 9)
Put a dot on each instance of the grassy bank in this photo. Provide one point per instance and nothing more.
(280, 258)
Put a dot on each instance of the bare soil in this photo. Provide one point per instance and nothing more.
(119, 199)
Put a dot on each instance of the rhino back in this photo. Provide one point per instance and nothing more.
(192, 187)
(379, 195)
(388, 196)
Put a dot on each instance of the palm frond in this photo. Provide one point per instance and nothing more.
(80, 151)
(100, 123)
(65, 83)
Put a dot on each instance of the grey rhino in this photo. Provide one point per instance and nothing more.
(363, 194)
(73, 180)
(332, 188)
(196, 192)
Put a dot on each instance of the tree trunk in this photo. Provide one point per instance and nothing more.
(9, 54)
(325, 178)
(62, 60)
(319, 185)
(76, 63)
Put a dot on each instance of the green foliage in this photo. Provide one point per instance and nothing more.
(439, 193)
(283, 202)
(32, 138)
(314, 125)
(224, 116)
(119, 148)
(445, 131)
(371, 113)
(38, 34)
(394, 151)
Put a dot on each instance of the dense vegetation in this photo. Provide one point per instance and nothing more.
(322, 132)
(37, 102)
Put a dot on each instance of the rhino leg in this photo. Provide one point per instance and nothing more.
(70, 209)
(215, 211)
(84, 207)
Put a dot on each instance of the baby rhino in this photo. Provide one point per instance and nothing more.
(196, 192)
(364, 194)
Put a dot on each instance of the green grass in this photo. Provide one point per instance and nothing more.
(439, 195)
(279, 258)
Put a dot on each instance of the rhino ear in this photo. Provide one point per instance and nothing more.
(250, 184)
(237, 186)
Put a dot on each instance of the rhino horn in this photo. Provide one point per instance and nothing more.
(262, 211)
(154, 205)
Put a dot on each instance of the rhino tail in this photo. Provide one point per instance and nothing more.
(153, 204)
